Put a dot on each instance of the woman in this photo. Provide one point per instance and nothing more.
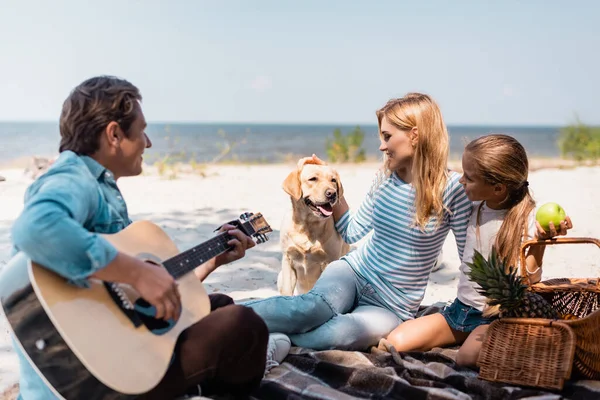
(410, 208)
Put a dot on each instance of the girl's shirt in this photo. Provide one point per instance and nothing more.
(398, 257)
(489, 224)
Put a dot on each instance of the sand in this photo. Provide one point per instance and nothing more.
(192, 204)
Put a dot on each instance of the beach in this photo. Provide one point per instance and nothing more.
(190, 203)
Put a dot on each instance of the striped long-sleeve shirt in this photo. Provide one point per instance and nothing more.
(398, 257)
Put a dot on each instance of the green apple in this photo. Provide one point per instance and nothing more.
(550, 212)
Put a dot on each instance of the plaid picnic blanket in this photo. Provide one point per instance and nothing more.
(386, 374)
(383, 373)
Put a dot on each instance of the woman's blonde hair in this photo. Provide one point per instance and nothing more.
(430, 161)
(502, 159)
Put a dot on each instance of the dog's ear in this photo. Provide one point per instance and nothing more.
(291, 185)
(340, 191)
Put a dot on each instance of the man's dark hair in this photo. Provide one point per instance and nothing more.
(91, 106)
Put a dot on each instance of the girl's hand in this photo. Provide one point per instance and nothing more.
(552, 232)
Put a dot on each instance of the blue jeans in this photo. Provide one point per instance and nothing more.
(342, 311)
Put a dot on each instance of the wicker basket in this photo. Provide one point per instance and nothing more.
(543, 352)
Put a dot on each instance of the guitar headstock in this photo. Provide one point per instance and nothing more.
(253, 225)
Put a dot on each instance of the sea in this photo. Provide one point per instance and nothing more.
(255, 143)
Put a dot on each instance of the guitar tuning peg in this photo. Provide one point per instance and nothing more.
(246, 216)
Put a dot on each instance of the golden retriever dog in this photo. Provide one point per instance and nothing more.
(309, 239)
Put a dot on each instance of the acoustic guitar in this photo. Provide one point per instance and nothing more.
(103, 342)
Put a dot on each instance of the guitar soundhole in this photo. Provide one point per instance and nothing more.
(146, 312)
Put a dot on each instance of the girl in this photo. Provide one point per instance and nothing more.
(410, 209)
(495, 169)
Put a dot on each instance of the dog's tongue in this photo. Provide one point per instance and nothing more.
(325, 210)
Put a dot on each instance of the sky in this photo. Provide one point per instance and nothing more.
(507, 62)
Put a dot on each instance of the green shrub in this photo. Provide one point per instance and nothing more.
(175, 160)
(346, 148)
(580, 142)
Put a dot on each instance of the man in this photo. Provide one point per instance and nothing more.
(102, 139)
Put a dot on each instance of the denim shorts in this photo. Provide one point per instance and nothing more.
(464, 318)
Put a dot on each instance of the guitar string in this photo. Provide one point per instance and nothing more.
(192, 258)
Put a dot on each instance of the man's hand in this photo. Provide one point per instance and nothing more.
(552, 232)
(240, 243)
(151, 281)
(159, 288)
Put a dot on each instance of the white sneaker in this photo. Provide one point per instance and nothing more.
(277, 349)
(195, 396)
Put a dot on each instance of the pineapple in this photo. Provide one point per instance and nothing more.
(506, 289)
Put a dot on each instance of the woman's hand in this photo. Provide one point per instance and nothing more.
(310, 160)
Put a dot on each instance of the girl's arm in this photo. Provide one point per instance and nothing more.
(535, 254)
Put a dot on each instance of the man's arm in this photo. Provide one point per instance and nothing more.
(50, 229)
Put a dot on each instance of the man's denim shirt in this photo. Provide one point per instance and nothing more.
(64, 210)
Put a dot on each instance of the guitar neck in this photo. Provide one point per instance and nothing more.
(190, 259)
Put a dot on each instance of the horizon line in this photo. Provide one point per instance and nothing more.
(333, 124)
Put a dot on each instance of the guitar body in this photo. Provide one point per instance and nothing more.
(80, 340)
